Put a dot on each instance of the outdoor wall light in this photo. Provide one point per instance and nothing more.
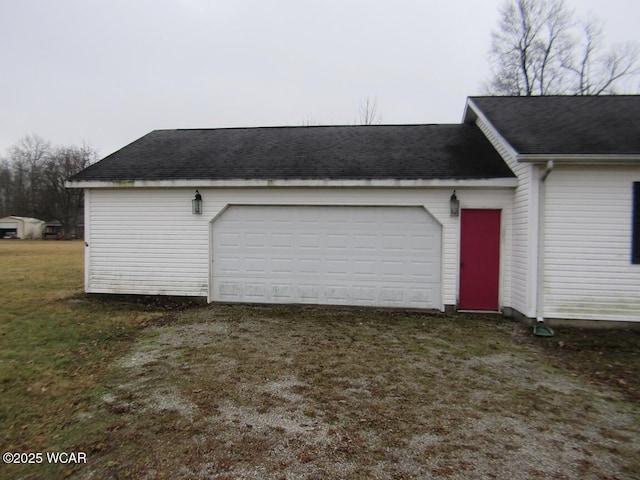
(454, 203)
(196, 204)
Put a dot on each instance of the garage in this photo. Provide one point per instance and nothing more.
(8, 229)
(338, 255)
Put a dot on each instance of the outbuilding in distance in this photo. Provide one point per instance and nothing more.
(21, 227)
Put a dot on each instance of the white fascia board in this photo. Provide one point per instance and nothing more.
(436, 183)
(469, 114)
(479, 114)
(576, 159)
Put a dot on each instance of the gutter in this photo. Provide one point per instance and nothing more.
(582, 159)
(540, 329)
(506, 182)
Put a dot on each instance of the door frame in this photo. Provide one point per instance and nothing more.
(501, 258)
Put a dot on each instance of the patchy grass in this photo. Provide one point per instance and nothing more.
(55, 348)
(240, 392)
(607, 357)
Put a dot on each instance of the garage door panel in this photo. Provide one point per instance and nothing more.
(364, 294)
(337, 267)
(309, 241)
(282, 266)
(310, 266)
(338, 242)
(282, 292)
(385, 256)
(364, 242)
(395, 269)
(254, 291)
(420, 295)
(422, 243)
(231, 265)
(392, 295)
(423, 271)
(254, 265)
(392, 243)
(364, 268)
(230, 240)
(229, 290)
(309, 293)
(336, 294)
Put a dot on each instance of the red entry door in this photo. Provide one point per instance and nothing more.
(479, 259)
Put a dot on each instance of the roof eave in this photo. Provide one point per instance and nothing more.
(581, 159)
(507, 182)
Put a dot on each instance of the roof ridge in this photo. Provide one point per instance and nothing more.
(302, 127)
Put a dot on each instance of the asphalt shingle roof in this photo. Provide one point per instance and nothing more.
(566, 125)
(333, 152)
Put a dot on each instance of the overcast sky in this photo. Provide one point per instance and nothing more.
(107, 72)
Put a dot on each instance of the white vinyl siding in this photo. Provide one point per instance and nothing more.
(523, 225)
(147, 241)
(588, 269)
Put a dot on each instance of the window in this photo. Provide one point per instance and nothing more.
(635, 225)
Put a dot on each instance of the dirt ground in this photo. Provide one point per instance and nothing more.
(236, 392)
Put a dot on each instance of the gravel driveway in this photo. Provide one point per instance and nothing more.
(232, 392)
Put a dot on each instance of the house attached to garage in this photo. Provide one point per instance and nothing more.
(468, 216)
(576, 211)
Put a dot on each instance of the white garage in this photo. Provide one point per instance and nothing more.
(345, 215)
(339, 255)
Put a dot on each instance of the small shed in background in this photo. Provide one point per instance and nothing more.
(21, 227)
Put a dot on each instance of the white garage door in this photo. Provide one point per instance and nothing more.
(378, 256)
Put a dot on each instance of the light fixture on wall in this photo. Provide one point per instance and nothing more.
(196, 204)
(454, 204)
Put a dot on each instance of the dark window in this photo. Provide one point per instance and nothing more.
(635, 225)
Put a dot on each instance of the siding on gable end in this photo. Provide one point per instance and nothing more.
(147, 241)
(523, 263)
(588, 222)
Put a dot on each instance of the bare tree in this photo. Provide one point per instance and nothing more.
(26, 161)
(65, 204)
(368, 112)
(539, 49)
(6, 182)
(597, 71)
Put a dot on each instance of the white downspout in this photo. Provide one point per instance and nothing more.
(541, 250)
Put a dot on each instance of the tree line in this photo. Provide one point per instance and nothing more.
(32, 181)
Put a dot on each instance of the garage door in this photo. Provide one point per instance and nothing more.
(378, 256)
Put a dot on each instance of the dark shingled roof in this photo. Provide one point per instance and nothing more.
(579, 125)
(334, 152)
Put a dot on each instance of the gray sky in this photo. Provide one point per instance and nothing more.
(107, 72)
